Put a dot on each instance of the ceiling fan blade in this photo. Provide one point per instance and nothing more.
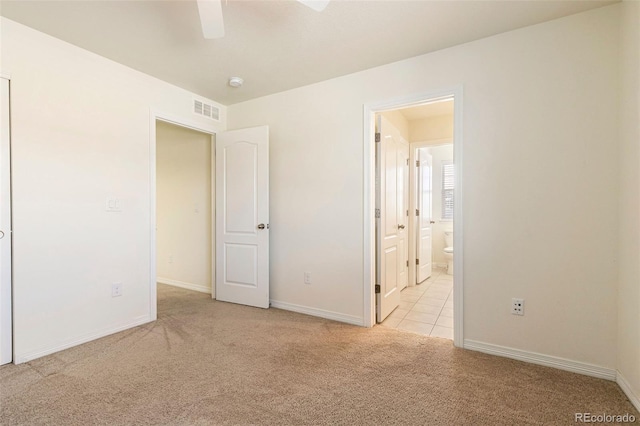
(317, 5)
(211, 18)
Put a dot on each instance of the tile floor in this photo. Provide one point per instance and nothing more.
(426, 308)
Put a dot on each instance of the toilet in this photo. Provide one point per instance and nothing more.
(448, 250)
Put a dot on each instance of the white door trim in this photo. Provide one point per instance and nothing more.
(369, 201)
(211, 129)
(6, 285)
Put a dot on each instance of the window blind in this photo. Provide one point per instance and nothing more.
(448, 185)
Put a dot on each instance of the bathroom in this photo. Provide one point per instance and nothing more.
(426, 303)
(442, 206)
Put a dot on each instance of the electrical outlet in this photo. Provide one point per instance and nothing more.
(517, 306)
(116, 289)
(307, 277)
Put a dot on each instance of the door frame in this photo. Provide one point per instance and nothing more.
(210, 129)
(369, 111)
(7, 305)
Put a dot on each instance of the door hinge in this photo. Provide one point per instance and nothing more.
(407, 263)
(417, 212)
(377, 287)
(417, 261)
(377, 213)
(407, 212)
(407, 161)
(418, 163)
(377, 137)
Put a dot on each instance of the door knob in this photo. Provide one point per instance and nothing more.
(400, 226)
(261, 226)
(1, 235)
(432, 221)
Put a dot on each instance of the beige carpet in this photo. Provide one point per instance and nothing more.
(205, 362)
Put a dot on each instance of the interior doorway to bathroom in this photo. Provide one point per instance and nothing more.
(415, 196)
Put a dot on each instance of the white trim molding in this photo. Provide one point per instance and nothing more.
(628, 390)
(21, 358)
(189, 286)
(335, 316)
(541, 359)
(369, 111)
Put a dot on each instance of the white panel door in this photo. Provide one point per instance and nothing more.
(242, 216)
(6, 351)
(392, 193)
(425, 191)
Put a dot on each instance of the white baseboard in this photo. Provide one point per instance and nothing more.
(541, 359)
(182, 284)
(626, 388)
(29, 356)
(336, 316)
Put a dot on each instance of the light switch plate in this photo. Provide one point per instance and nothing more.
(113, 204)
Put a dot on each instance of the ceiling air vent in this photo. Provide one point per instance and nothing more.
(206, 110)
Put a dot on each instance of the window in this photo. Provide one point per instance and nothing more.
(448, 184)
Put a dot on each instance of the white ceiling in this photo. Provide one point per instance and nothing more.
(275, 45)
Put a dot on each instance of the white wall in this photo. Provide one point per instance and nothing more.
(546, 88)
(183, 215)
(80, 133)
(431, 128)
(629, 181)
(438, 155)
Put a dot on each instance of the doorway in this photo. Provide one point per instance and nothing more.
(184, 207)
(178, 124)
(424, 122)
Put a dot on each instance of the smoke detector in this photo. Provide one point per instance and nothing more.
(236, 81)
